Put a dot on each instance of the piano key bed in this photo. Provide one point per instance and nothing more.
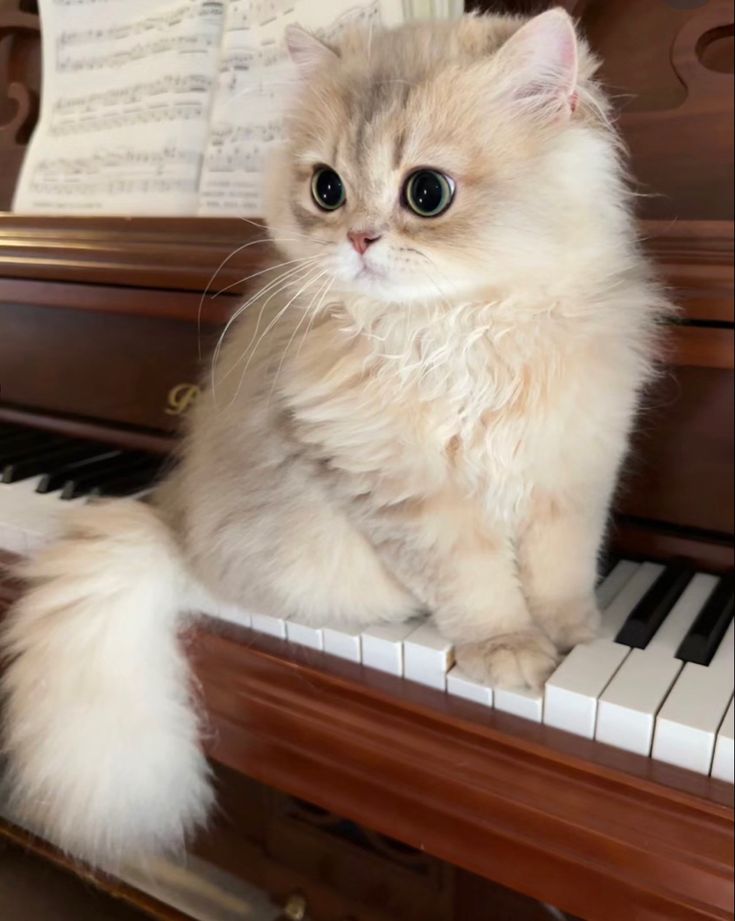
(658, 681)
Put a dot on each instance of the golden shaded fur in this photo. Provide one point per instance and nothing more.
(460, 409)
(434, 426)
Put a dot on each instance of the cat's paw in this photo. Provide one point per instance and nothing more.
(570, 623)
(514, 660)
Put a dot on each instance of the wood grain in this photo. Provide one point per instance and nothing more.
(592, 829)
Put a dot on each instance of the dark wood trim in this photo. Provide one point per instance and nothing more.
(172, 253)
(185, 306)
(701, 346)
(656, 540)
(133, 439)
(695, 257)
(599, 832)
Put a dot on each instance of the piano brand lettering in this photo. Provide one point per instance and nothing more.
(181, 398)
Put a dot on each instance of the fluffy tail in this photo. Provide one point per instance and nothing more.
(100, 732)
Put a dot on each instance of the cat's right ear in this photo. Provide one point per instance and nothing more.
(540, 62)
(306, 50)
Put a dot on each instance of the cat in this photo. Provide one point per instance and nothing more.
(423, 410)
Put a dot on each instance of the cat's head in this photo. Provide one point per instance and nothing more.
(440, 159)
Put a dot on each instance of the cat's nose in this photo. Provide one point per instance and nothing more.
(361, 239)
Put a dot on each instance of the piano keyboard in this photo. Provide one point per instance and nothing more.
(657, 681)
(42, 473)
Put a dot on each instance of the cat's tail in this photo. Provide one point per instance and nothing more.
(101, 735)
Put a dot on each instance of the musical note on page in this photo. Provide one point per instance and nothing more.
(254, 82)
(126, 95)
(170, 107)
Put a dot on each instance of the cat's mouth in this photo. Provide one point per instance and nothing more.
(368, 272)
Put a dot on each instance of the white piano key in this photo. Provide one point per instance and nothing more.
(529, 704)
(459, 685)
(273, 626)
(13, 539)
(229, 612)
(342, 642)
(382, 646)
(687, 724)
(427, 657)
(525, 703)
(614, 582)
(573, 691)
(723, 764)
(627, 709)
(29, 519)
(298, 633)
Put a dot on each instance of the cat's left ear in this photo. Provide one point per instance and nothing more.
(540, 63)
(306, 50)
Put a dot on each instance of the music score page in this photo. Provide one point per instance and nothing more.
(167, 107)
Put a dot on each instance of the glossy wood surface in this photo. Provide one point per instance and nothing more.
(592, 829)
(99, 321)
(147, 905)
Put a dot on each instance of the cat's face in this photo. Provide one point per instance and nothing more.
(412, 156)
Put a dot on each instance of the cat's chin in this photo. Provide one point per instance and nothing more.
(380, 287)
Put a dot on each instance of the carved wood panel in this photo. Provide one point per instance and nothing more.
(20, 79)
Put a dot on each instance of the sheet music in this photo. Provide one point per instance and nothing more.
(169, 107)
(253, 85)
(127, 91)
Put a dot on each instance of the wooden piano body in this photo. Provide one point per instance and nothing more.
(99, 338)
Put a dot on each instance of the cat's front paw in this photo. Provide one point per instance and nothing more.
(570, 623)
(514, 660)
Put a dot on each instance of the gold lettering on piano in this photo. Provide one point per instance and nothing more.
(180, 398)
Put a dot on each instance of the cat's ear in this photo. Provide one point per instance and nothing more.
(540, 62)
(305, 49)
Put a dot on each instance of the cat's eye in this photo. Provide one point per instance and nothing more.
(327, 189)
(428, 192)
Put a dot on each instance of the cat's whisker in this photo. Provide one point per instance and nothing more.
(293, 276)
(279, 283)
(223, 263)
(314, 314)
(311, 280)
(270, 268)
(304, 315)
(273, 283)
(295, 233)
(435, 267)
(212, 277)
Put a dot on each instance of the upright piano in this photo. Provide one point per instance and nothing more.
(356, 769)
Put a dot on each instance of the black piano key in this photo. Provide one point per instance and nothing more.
(129, 485)
(700, 644)
(651, 610)
(58, 476)
(8, 432)
(81, 483)
(6, 427)
(44, 461)
(606, 566)
(14, 434)
(17, 439)
(26, 447)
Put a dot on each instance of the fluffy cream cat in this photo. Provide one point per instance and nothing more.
(424, 410)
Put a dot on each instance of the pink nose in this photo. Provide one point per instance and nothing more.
(361, 239)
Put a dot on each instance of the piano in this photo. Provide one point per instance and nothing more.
(607, 795)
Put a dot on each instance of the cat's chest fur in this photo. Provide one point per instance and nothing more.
(419, 411)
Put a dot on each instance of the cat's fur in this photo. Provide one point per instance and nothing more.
(439, 433)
